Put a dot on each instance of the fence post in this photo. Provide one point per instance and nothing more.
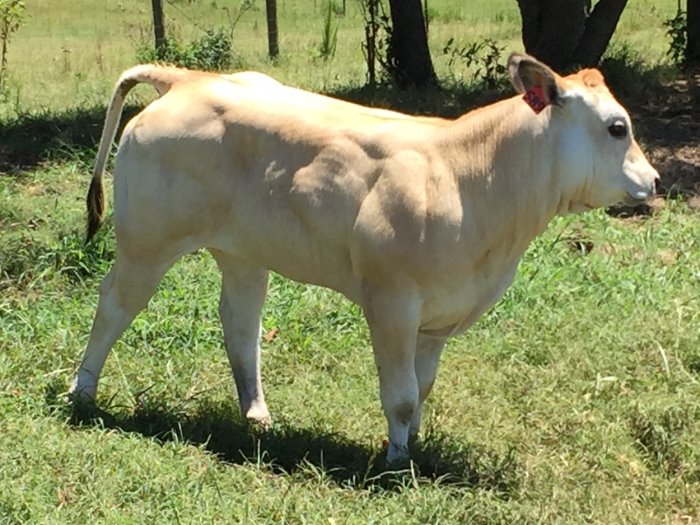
(272, 41)
(158, 27)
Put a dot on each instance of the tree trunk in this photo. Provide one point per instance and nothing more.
(568, 33)
(692, 50)
(600, 26)
(272, 39)
(409, 56)
(158, 27)
(552, 29)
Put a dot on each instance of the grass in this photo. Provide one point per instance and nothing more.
(575, 400)
(70, 53)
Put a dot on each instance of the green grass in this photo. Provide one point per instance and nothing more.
(575, 400)
(70, 52)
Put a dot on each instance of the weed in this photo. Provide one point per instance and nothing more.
(329, 39)
(486, 57)
(29, 258)
(13, 13)
(678, 40)
(376, 45)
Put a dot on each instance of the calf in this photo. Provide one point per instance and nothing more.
(421, 221)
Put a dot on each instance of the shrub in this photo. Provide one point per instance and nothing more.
(676, 32)
(486, 56)
(329, 39)
(211, 52)
(376, 47)
(13, 13)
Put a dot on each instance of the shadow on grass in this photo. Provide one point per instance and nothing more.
(304, 452)
(32, 139)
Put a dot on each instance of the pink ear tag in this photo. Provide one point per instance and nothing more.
(534, 97)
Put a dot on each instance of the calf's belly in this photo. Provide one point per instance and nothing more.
(451, 312)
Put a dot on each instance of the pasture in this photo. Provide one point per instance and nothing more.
(576, 399)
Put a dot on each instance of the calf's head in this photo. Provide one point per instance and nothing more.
(596, 157)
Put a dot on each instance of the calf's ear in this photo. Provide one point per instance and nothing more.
(534, 79)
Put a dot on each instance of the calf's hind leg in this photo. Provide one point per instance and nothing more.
(243, 290)
(428, 351)
(124, 292)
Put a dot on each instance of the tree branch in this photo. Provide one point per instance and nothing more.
(600, 26)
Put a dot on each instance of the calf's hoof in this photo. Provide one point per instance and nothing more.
(398, 457)
(81, 393)
(259, 417)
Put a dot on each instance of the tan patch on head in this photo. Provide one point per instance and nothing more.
(591, 78)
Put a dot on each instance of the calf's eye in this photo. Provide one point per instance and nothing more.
(618, 129)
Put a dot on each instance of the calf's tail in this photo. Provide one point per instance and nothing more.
(162, 79)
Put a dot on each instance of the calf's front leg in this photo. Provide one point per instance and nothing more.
(393, 319)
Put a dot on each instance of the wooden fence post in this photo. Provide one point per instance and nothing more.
(158, 27)
(272, 39)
